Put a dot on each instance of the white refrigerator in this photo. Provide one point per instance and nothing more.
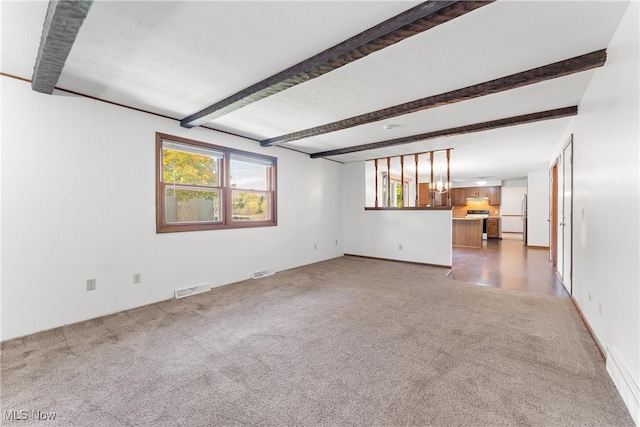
(523, 218)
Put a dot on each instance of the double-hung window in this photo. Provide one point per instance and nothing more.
(201, 186)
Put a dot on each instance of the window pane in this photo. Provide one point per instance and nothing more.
(251, 206)
(202, 186)
(185, 205)
(397, 195)
(250, 174)
(190, 165)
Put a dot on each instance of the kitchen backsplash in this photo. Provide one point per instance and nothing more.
(460, 211)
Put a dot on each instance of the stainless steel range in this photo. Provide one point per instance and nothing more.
(480, 213)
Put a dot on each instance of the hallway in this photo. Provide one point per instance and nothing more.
(507, 264)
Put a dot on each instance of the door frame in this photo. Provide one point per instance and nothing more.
(553, 213)
(567, 220)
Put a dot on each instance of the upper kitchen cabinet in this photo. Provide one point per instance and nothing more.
(494, 195)
(478, 192)
(424, 195)
(458, 196)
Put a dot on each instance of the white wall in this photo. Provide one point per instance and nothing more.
(78, 203)
(425, 236)
(606, 233)
(538, 209)
(511, 207)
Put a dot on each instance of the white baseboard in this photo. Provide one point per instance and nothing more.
(627, 387)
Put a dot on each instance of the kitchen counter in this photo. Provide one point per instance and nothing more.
(467, 232)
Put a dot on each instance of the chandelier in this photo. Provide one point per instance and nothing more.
(439, 185)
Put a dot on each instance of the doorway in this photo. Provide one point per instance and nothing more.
(566, 225)
(561, 215)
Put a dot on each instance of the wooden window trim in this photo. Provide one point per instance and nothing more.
(226, 204)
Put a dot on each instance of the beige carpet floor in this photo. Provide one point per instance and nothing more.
(348, 341)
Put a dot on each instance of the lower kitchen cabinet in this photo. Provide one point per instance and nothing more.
(493, 228)
(467, 232)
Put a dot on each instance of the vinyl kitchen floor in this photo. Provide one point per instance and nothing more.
(507, 264)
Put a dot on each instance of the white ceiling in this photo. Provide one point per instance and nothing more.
(176, 58)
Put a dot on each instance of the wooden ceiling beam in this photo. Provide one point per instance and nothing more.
(61, 25)
(411, 22)
(513, 81)
(477, 127)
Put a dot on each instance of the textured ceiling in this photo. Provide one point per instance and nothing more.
(176, 58)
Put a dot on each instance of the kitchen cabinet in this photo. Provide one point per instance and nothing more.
(423, 194)
(477, 192)
(467, 232)
(493, 228)
(494, 195)
(458, 196)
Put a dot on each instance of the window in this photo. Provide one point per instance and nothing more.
(201, 186)
(399, 192)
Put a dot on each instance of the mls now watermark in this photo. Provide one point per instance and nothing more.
(24, 415)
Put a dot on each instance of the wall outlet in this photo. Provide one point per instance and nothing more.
(336, 242)
(137, 278)
(400, 247)
(91, 284)
(315, 246)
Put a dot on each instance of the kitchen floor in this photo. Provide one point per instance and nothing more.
(507, 264)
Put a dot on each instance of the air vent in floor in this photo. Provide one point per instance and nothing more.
(192, 290)
(263, 273)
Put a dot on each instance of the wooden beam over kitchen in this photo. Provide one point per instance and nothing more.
(513, 81)
(411, 22)
(61, 25)
(477, 127)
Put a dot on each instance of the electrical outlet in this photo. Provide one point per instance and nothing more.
(315, 246)
(91, 284)
(400, 247)
(336, 242)
(137, 278)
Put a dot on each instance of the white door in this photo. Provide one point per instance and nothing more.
(566, 216)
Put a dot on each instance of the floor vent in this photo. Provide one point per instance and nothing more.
(263, 273)
(192, 290)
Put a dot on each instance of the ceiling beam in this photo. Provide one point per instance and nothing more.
(513, 81)
(477, 127)
(411, 22)
(61, 25)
